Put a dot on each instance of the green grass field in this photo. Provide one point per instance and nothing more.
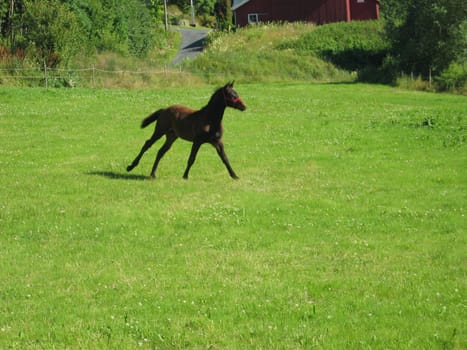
(346, 230)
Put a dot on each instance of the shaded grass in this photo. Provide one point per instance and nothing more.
(346, 230)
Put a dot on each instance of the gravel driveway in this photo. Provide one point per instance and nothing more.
(192, 43)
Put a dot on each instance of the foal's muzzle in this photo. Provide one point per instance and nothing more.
(237, 103)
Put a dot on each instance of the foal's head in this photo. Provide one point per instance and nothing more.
(231, 97)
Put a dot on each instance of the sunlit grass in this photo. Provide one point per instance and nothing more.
(254, 54)
(345, 230)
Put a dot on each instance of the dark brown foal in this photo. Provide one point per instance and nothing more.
(202, 126)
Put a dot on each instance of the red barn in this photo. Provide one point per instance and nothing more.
(317, 11)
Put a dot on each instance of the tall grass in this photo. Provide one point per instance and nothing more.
(256, 54)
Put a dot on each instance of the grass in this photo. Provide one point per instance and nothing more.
(262, 54)
(349, 45)
(346, 229)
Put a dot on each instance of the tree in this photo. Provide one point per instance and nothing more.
(394, 10)
(52, 30)
(431, 36)
(127, 27)
(140, 28)
(205, 7)
(56, 31)
(10, 15)
(223, 10)
(3, 16)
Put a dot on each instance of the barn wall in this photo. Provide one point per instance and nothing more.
(324, 11)
(317, 11)
(259, 6)
(368, 9)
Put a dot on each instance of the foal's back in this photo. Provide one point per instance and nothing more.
(183, 121)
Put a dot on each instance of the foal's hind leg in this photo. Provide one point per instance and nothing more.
(156, 136)
(170, 139)
(194, 151)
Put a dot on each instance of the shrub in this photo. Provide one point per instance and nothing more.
(453, 78)
(53, 32)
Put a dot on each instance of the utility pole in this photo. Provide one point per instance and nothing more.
(166, 16)
(11, 30)
(192, 14)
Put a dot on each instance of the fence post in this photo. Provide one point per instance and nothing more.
(45, 76)
(430, 80)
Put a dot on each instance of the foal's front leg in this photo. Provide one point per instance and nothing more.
(170, 139)
(219, 145)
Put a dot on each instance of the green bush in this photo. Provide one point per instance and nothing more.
(453, 78)
(125, 27)
(53, 34)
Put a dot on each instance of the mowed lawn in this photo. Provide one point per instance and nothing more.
(346, 230)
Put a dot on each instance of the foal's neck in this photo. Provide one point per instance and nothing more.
(216, 107)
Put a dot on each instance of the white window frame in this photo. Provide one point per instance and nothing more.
(252, 16)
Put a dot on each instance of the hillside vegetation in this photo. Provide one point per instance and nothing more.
(421, 39)
(263, 54)
(297, 52)
(359, 46)
(355, 51)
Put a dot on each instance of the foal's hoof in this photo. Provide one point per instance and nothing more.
(129, 168)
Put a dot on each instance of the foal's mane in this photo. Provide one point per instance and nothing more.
(217, 92)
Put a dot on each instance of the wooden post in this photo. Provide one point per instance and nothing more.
(93, 75)
(429, 77)
(46, 77)
(348, 15)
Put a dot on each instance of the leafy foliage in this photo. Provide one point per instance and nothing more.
(430, 35)
(224, 14)
(52, 30)
(453, 78)
(55, 31)
(394, 10)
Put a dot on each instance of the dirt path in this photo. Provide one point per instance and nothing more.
(192, 44)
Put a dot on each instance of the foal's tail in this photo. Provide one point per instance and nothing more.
(152, 118)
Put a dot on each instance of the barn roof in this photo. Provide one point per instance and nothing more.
(239, 3)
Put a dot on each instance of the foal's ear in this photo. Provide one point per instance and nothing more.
(231, 84)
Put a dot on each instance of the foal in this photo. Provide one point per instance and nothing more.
(202, 126)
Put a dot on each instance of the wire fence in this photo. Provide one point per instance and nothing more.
(91, 76)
